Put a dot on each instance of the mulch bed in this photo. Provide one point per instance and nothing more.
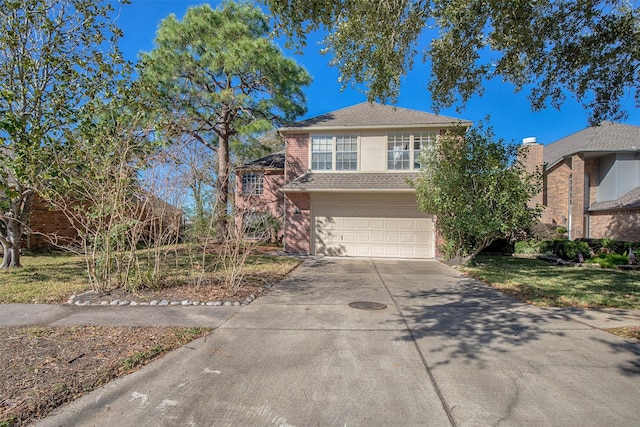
(45, 367)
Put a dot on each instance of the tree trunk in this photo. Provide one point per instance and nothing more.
(12, 245)
(222, 186)
(478, 250)
(18, 215)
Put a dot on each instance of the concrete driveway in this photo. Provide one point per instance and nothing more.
(446, 350)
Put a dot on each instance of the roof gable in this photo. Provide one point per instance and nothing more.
(271, 161)
(608, 137)
(371, 115)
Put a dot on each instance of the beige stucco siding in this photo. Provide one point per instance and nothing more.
(372, 146)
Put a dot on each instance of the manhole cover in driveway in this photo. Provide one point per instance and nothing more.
(367, 305)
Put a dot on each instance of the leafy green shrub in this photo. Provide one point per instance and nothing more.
(527, 247)
(607, 245)
(609, 260)
(565, 249)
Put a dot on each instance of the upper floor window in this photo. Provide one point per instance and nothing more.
(252, 184)
(321, 153)
(334, 153)
(346, 152)
(421, 142)
(398, 153)
(404, 150)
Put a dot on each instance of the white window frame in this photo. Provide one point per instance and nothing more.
(408, 146)
(252, 184)
(351, 142)
(318, 147)
(399, 151)
(427, 140)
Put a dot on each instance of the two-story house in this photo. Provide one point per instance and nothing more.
(258, 195)
(346, 182)
(591, 181)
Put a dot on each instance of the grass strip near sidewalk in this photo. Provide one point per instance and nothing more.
(50, 278)
(549, 285)
(46, 278)
(45, 367)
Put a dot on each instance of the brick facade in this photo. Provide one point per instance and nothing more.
(580, 176)
(296, 155)
(556, 195)
(297, 205)
(271, 200)
(532, 153)
(298, 223)
(45, 223)
(577, 212)
(619, 225)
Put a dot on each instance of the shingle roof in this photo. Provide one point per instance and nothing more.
(353, 182)
(272, 161)
(606, 137)
(630, 200)
(366, 115)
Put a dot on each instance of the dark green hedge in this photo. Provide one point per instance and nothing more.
(565, 249)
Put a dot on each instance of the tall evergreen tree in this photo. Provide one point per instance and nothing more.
(215, 75)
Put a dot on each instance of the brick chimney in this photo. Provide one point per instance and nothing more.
(532, 158)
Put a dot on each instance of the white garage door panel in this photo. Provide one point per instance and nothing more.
(368, 226)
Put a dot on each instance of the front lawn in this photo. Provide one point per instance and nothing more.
(550, 285)
(50, 278)
(43, 279)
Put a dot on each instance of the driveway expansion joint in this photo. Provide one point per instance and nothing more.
(434, 383)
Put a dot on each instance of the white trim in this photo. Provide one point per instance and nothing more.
(351, 190)
(369, 127)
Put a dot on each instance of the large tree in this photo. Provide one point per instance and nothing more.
(55, 55)
(215, 76)
(478, 190)
(588, 49)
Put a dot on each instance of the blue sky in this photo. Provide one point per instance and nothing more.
(510, 113)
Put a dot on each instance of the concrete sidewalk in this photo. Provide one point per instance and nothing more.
(16, 315)
(446, 350)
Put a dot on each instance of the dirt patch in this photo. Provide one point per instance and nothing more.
(45, 367)
(631, 333)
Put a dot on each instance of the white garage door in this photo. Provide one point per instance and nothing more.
(371, 226)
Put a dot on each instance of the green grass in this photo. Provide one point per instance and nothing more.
(549, 285)
(609, 260)
(141, 357)
(43, 279)
(52, 277)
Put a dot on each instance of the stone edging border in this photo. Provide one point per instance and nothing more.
(78, 300)
(162, 303)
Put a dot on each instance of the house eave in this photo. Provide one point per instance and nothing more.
(294, 129)
(349, 190)
(259, 169)
(614, 209)
(593, 151)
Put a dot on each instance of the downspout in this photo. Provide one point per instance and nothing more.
(284, 199)
(570, 207)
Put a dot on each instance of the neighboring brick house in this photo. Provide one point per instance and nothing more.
(592, 181)
(258, 193)
(46, 222)
(50, 228)
(347, 190)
